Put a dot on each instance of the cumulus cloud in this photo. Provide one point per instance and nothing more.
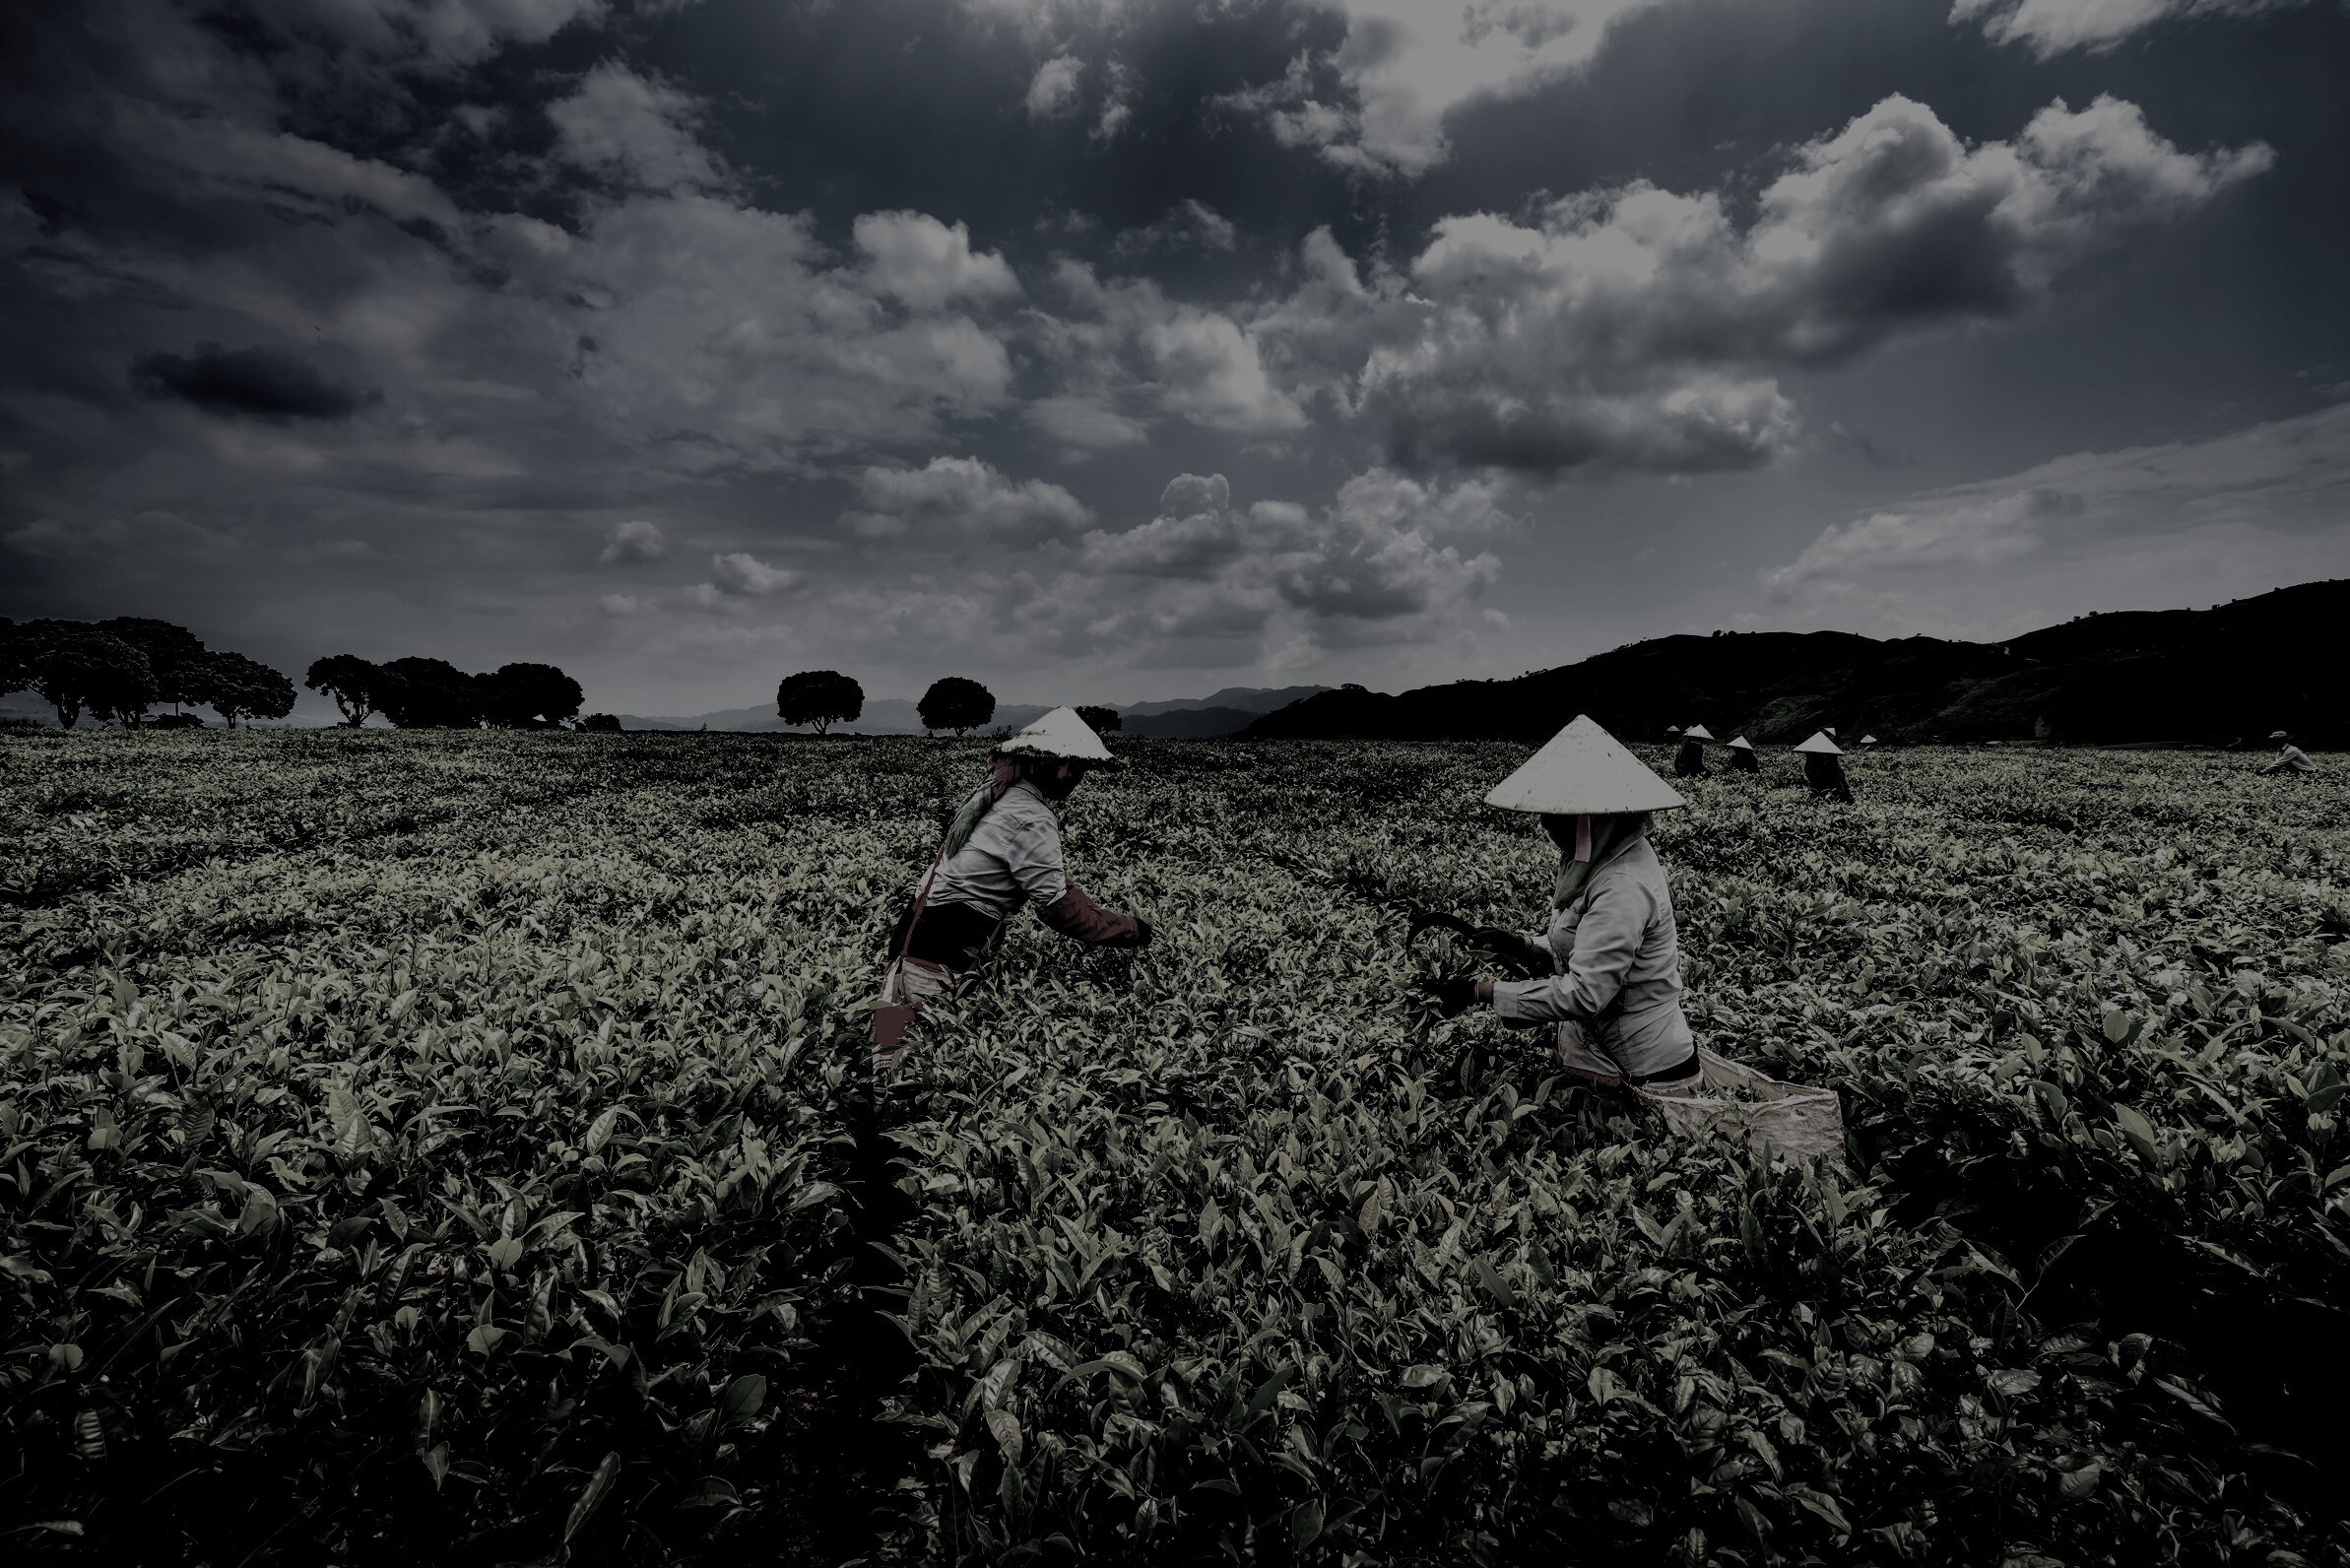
(634, 128)
(2287, 477)
(1118, 101)
(256, 383)
(1053, 90)
(2048, 28)
(966, 494)
(1640, 328)
(702, 334)
(741, 572)
(924, 263)
(635, 542)
(1376, 103)
(1083, 425)
(1199, 364)
(1365, 568)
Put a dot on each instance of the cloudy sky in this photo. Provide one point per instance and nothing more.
(1111, 350)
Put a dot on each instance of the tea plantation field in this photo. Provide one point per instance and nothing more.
(449, 1148)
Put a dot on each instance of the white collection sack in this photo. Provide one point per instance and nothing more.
(1775, 1118)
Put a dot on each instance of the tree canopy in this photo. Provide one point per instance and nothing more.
(529, 696)
(357, 686)
(76, 668)
(175, 656)
(241, 688)
(955, 702)
(431, 694)
(1103, 720)
(818, 698)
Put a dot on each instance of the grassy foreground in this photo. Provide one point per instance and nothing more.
(448, 1148)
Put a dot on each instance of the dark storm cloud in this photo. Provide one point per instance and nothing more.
(260, 384)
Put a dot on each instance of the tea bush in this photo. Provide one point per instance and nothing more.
(452, 1145)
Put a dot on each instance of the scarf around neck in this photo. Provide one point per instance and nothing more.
(1598, 840)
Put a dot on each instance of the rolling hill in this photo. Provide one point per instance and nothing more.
(2233, 672)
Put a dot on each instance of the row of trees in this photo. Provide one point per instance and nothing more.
(121, 668)
(418, 694)
(821, 698)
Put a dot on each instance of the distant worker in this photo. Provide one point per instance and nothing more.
(1614, 993)
(1742, 756)
(1690, 761)
(1003, 850)
(1822, 768)
(2290, 759)
(1868, 743)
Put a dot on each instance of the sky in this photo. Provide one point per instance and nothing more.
(1123, 350)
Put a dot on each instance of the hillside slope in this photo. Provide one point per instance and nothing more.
(2233, 672)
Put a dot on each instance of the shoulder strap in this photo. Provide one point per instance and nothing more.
(922, 895)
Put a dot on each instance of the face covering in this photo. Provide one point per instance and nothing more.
(1055, 778)
(1587, 843)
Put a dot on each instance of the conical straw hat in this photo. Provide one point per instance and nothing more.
(1582, 769)
(1868, 740)
(1742, 743)
(1672, 729)
(1697, 732)
(1821, 744)
(1061, 733)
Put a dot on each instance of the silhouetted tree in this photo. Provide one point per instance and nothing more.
(175, 656)
(74, 666)
(241, 688)
(604, 723)
(526, 697)
(1103, 720)
(821, 698)
(955, 702)
(431, 694)
(357, 686)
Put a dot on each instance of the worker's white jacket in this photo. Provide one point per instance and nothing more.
(1013, 855)
(1618, 985)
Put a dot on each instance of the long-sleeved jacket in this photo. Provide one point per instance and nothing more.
(1825, 774)
(1014, 857)
(2292, 759)
(1618, 985)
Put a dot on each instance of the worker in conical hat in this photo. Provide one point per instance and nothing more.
(1867, 742)
(1003, 850)
(2290, 759)
(1612, 951)
(1742, 756)
(1690, 761)
(1824, 767)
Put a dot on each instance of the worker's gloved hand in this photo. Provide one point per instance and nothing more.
(1452, 994)
(1141, 932)
(1495, 938)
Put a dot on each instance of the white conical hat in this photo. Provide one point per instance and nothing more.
(1821, 744)
(1061, 733)
(1697, 732)
(1582, 769)
(1868, 740)
(1742, 743)
(1672, 729)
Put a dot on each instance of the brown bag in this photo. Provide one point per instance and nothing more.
(890, 1024)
